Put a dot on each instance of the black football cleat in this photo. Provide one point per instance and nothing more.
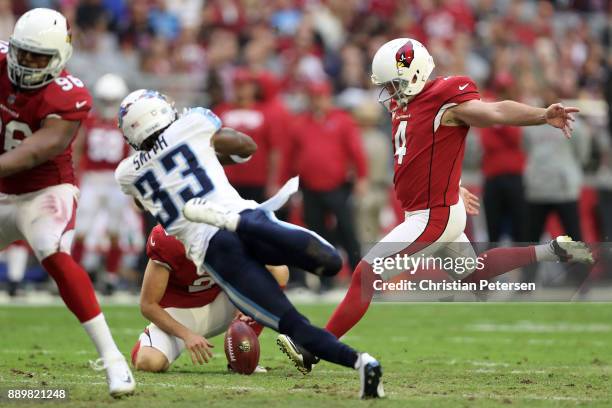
(301, 358)
(370, 373)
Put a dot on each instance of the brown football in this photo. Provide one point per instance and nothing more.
(241, 347)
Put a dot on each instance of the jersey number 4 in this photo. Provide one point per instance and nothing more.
(191, 168)
(400, 141)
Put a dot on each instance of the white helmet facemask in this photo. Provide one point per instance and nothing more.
(393, 90)
(43, 32)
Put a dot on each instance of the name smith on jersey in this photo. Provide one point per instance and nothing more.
(140, 159)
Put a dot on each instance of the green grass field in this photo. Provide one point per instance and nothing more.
(433, 355)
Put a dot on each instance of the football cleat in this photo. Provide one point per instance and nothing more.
(370, 372)
(301, 358)
(568, 250)
(204, 211)
(118, 375)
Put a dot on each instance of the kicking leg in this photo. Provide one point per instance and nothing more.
(498, 261)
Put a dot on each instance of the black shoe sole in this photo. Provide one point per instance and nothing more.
(373, 373)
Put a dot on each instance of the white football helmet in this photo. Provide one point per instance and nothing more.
(40, 31)
(142, 113)
(109, 90)
(401, 67)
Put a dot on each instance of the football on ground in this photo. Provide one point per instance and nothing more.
(241, 347)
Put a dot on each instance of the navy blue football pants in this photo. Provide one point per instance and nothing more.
(236, 261)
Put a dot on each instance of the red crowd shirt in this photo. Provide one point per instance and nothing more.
(104, 147)
(23, 112)
(254, 122)
(186, 289)
(280, 117)
(428, 155)
(502, 151)
(324, 149)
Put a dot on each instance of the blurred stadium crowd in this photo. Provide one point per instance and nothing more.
(295, 75)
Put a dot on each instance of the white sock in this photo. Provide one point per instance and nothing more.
(232, 222)
(358, 362)
(16, 262)
(363, 358)
(545, 252)
(100, 335)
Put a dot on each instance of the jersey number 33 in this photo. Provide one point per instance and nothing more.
(148, 182)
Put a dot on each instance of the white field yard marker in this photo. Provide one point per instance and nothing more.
(534, 327)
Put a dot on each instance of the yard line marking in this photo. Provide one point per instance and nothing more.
(545, 342)
(488, 364)
(534, 327)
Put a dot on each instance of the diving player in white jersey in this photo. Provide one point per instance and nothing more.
(179, 160)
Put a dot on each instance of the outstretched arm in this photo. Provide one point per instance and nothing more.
(483, 114)
(44, 144)
(233, 146)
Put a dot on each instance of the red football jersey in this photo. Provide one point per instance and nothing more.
(254, 122)
(104, 147)
(186, 289)
(428, 155)
(23, 112)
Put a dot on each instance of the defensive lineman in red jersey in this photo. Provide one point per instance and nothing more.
(41, 108)
(184, 308)
(430, 122)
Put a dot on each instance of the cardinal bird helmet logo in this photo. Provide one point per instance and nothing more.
(405, 55)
